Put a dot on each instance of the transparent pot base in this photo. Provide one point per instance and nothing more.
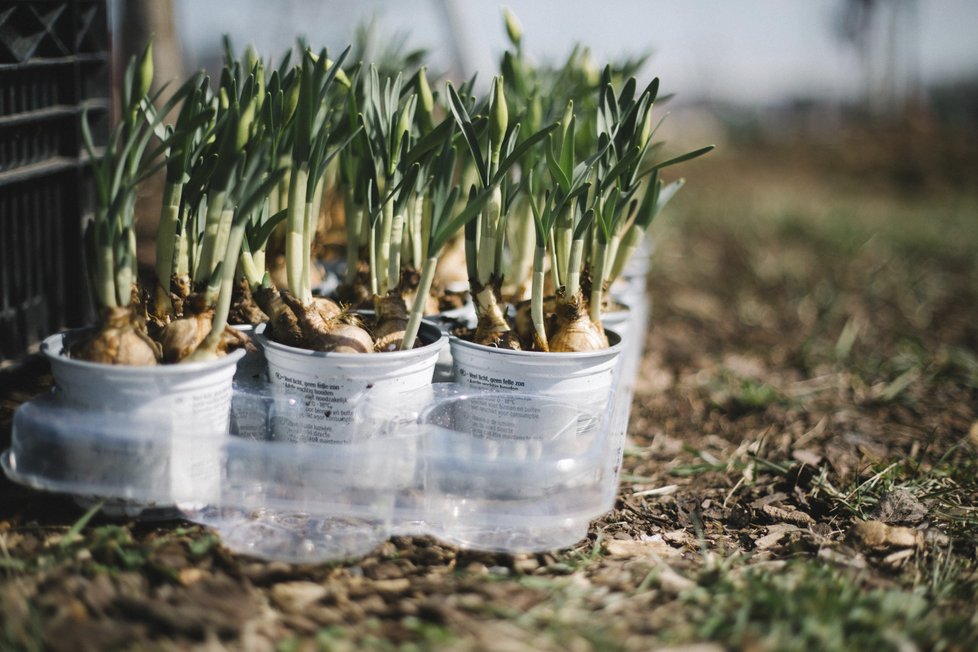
(294, 537)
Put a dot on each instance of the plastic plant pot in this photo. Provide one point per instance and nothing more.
(251, 368)
(585, 379)
(631, 325)
(134, 460)
(250, 377)
(497, 470)
(528, 479)
(193, 391)
(330, 383)
(446, 322)
(191, 397)
(305, 502)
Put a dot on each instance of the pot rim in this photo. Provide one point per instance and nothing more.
(431, 347)
(614, 349)
(53, 348)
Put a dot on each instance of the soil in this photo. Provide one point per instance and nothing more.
(802, 470)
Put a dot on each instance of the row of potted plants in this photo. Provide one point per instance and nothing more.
(548, 184)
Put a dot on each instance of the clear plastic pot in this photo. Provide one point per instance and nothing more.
(304, 502)
(527, 479)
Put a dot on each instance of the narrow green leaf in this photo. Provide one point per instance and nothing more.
(520, 150)
(620, 168)
(97, 170)
(465, 217)
(80, 524)
(258, 194)
(465, 123)
(430, 141)
(688, 156)
(667, 193)
(652, 90)
(553, 165)
(567, 150)
(584, 224)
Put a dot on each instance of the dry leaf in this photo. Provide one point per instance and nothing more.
(681, 537)
(877, 535)
(805, 456)
(640, 548)
(900, 507)
(658, 491)
(672, 582)
(774, 535)
(897, 558)
(788, 515)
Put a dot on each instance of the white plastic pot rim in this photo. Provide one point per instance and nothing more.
(54, 347)
(546, 356)
(428, 332)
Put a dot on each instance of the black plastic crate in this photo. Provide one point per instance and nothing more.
(54, 63)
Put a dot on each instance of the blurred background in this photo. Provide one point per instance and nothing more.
(752, 62)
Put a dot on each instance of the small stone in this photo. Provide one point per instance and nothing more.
(99, 594)
(392, 586)
(477, 568)
(77, 611)
(373, 605)
(296, 596)
(263, 573)
(471, 601)
(325, 616)
(300, 623)
(681, 537)
(407, 608)
(525, 565)
(694, 647)
(386, 571)
(190, 575)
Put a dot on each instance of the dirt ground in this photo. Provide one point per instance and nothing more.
(802, 470)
